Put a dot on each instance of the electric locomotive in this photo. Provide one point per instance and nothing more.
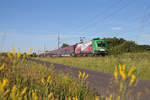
(94, 47)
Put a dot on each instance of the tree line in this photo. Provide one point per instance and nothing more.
(118, 46)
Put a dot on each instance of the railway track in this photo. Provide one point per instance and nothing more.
(100, 82)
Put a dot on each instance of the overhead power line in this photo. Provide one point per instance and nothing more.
(100, 13)
(107, 16)
(142, 20)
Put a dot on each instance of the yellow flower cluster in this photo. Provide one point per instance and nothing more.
(110, 97)
(3, 85)
(133, 77)
(2, 67)
(49, 80)
(15, 94)
(82, 76)
(15, 57)
(121, 70)
(123, 82)
(34, 95)
(96, 98)
(29, 51)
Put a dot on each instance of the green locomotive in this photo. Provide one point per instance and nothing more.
(93, 47)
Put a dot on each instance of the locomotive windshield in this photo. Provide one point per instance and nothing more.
(101, 44)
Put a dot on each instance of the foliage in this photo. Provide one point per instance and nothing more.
(33, 54)
(21, 79)
(64, 45)
(118, 46)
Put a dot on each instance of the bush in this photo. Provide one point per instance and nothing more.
(118, 46)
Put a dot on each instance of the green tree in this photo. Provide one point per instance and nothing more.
(119, 45)
(64, 45)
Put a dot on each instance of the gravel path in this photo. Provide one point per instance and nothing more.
(101, 82)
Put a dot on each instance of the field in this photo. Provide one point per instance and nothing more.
(23, 79)
(107, 64)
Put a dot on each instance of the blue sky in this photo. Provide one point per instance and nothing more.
(35, 23)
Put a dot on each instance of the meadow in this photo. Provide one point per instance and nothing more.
(23, 79)
(107, 64)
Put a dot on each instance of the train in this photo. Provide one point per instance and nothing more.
(94, 47)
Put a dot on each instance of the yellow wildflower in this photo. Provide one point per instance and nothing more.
(14, 88)
(23, 91)
(5, 81)
(116, 75)
(6, 92)
(83, 75)
(18, 53)
(79, 75)
(124, 68)
(9, 55)
(132, 79)
(13, 92)
(50, 95)
(118, 98)
(110, 97)
(49, 79)
(3, 84)
(116, 69)
(13, 51)
(2, 67)
(34, 96)
(123, 75)
(96, 98)
(107, 98)
(75, 98)
(43, 81)
(24, 56)
(29, 51)
(18, 94)
(131, 70)
(120, 69)
(69, 98)
(86, 77)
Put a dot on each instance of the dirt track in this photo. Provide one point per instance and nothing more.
(100, 82)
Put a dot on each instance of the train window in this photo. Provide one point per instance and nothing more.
(69, 50)
(101, 44)
(65, 51)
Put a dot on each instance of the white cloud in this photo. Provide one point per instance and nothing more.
(116, 28)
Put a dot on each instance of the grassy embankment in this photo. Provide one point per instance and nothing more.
(21, 79)
(106, 64)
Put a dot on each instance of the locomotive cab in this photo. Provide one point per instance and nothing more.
(99, 47)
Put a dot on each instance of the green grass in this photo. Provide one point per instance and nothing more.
(106, 64)
(22, 79)
(38, 82)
